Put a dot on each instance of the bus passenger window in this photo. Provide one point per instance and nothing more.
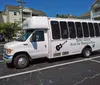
(91, 29)
(79, 29)
(85, 29)
(64, 29)
(97, 32)
(55, 30)
(72, 29)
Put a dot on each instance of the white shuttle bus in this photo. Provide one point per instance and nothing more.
(52, 38)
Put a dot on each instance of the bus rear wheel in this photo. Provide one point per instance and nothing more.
(86, 52)
(21, 61)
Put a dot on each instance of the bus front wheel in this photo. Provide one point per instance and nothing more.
(21, 61)
(86, 52)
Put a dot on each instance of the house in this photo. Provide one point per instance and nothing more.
(15, 14)
(1, 18)
(93, 13)
(85, 15)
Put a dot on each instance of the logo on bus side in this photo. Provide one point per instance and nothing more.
(83, 42)
(77, 42)
(58, 47)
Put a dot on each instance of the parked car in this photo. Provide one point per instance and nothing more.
(2, 39)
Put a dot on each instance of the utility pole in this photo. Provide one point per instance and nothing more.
(21, 2)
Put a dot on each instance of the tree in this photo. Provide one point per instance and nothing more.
(0, 12)
(1, 28)
(61, 16)
(9, 29)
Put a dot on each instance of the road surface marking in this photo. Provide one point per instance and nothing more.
(45, 68)
(95, 61)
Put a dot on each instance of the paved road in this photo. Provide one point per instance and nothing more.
(72, 70)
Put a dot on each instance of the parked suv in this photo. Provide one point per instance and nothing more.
(2, 39)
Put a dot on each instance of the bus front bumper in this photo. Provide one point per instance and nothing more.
(7, 58)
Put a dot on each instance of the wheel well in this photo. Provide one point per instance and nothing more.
(18, 53)
(87, 47)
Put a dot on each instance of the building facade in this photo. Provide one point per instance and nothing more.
(16, 14)
(95, 10)
(93, 13)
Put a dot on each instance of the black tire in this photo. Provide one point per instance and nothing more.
(86, 52)
(21, 61)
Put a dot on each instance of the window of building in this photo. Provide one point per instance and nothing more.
(79, 29)
(97, 9)
(64, 29)
(85, 29)
(72, 29)
(15, 13)
(97, 32)
(55, 30)
(91, 30)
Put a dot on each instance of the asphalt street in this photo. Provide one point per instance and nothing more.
(71, 70)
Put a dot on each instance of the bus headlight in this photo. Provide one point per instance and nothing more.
(9, 51)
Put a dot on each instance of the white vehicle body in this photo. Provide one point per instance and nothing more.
(48, 47)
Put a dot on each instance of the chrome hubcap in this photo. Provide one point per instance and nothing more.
(87, 53)
(22, 62)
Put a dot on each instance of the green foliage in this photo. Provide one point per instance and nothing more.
(62, 16)
(9, 29)
(0, 12)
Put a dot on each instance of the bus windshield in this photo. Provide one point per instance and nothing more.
(25, 36)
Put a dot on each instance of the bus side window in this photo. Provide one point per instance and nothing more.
(72, 29)
(39, 35)
(99, 27)
(91, 29)
(97, 31)
(55, 30)
(79, 29)
(85, 29)
(64, 29)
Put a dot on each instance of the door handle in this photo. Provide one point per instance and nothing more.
(25, 44)
(45, 46)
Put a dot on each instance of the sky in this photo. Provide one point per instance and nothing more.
(53, 7)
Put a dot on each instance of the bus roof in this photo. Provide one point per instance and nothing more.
(74, 20)
(36, 22)
(41, 22)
